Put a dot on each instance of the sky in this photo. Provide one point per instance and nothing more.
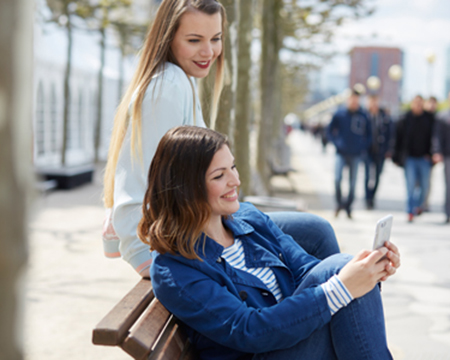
(416, 27)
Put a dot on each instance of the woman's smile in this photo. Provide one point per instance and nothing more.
(202, 64)
(231, 195)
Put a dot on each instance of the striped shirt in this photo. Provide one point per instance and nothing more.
(337, 294)
(235, 256)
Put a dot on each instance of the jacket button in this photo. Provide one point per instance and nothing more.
(243, 295)
(219, 260)
(264, 293)
(280, 255)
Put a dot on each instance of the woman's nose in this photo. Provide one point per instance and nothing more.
(234, 180)
(206, 50)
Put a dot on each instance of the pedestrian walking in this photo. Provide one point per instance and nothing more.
(380, 148)
(242, 288)
(413, 151)
(351, 134)
(183, 43)
(441, 152)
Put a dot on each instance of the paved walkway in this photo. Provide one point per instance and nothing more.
(70, 285)
(417, 299)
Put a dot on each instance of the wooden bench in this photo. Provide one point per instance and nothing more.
(143, 328)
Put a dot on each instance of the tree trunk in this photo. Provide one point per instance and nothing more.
(98, 123)
(16, 87)
(243, 96)
(226, 111)
(67, 104)
(269, 75)
(205, 90)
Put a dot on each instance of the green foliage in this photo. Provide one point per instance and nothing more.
(308, 25)
(307, 29)
(98, 14)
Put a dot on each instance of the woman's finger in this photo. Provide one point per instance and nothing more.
(362, 255)
(376, 255)
(391, 246)
(394, 259)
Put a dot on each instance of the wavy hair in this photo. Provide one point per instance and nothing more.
(154, 54)
(175, 209)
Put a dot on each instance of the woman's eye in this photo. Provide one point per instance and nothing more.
(234, 167)
(193, 40)
(216, 39)
(218, 177)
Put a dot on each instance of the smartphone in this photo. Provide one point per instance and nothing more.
(382, 232)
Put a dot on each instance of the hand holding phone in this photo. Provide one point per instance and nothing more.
(382, 231)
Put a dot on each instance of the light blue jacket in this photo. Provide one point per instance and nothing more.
(230, 314)
(168, 102)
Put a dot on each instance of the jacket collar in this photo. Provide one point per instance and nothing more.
(210, 250)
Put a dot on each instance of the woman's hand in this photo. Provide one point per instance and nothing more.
(368, 268)
(394, 260)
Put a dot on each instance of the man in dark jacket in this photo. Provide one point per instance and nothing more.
(441, 152)
(382, 128)
(350, 132)
(413, 151)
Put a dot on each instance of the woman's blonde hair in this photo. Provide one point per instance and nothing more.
(175, 210)
(154, 54)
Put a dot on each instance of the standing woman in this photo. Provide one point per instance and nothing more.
(184, 41)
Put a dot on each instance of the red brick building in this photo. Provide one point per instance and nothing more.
(376, 61)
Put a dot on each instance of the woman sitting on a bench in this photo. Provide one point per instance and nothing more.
(243, 288)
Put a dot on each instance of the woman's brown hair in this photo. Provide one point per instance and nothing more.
(154, 54)
(175, 209)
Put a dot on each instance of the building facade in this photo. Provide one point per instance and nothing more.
(376, 61)
(447, 72)
(48, 89)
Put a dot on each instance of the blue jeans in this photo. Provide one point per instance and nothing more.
(355, 332)
(350, 161)
(417, 174)
(313, 233)
(373, 167)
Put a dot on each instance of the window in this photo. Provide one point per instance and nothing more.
(81, 127)
(40, 121)
(53, 120)
(374, 64)
(70, 124)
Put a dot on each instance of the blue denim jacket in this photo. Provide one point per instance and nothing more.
(229, 313)
(350, 132)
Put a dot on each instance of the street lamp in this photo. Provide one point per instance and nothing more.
(430, 56)
(395, 72)
(360, 88)
(373, 83)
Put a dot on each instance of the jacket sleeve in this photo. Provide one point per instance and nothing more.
(167, 104)
(438, 137)
(332, 129)
(225, 319)
(369, 138)
(399, 135)
(390, 136)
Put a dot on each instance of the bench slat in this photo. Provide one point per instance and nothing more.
(173, 347)
(144, 335)
(113, 328)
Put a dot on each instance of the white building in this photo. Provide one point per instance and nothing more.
(49, 68)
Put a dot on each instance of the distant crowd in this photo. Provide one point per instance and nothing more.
(419, 139)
